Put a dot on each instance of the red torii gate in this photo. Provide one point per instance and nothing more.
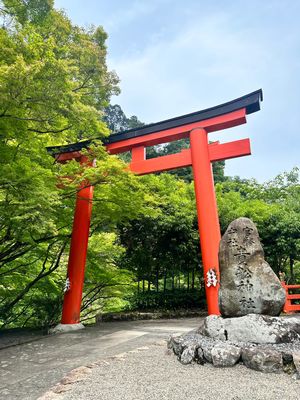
(200, 155)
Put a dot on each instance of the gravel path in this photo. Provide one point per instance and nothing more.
(154, 373)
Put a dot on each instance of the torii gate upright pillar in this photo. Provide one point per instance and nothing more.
(208, 220)
(77, 256)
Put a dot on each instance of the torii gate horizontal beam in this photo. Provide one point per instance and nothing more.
(211, 119)
(217, 152)
(210, 125)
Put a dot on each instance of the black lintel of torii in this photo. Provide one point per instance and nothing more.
(251, 102)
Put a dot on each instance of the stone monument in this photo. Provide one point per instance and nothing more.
(247, 282)
(250, 298)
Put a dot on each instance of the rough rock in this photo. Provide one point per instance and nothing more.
(207, 348)
(175, 343)
(225, 355)
(202, 344)
(200, 356)
(247, 282)
(262, 359)
(296, 361)
(266, 357)
(287, 357)
(252, 328)
(188, 355)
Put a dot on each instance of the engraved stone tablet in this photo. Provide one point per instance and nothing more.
(248, 285)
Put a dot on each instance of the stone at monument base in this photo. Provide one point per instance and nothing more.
(296, 360)
(225, 355)
(263, 343)
(252, 328)
(263, 359)
(65, 328)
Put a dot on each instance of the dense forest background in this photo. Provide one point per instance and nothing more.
(55, 88)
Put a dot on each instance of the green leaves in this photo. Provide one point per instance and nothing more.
(274, 207)
(54, 83)
(33, 11)
(160, 244)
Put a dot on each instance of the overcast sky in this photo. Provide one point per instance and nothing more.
(174, 57)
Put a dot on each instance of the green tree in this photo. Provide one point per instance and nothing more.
(54, 84)
(162, 247)
(117, 121)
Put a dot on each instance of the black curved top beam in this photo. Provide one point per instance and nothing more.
(250, 101)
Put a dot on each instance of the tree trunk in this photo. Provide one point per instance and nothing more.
(149, 285)
(165, 280)
(143, 285)
(173, 283)
(188, 281)
(193, 278)
(157, 280)
(292, 269)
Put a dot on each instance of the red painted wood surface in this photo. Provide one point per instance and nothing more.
(217, 152)
(78, 250)
(208, 220)
(163, 163)
(138, 154)
(72, 155)
(289, 307)
(77, 256)
(225, 151)
(210, 125)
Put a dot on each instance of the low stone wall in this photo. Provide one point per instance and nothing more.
(138, 315)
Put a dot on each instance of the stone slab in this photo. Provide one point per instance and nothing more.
(251, 328)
